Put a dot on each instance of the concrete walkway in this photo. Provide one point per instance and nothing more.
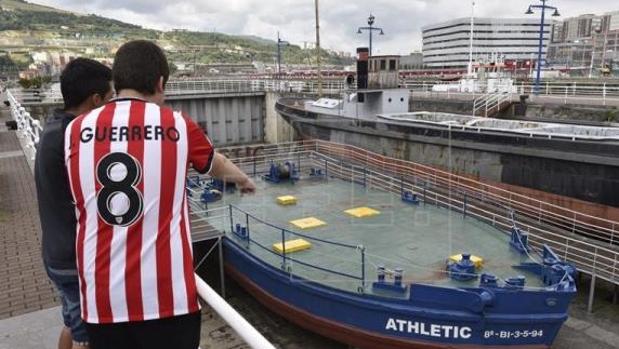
(24, 286)
(39, 329)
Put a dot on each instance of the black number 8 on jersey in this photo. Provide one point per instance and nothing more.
(119, 202)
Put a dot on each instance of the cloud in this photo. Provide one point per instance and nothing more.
(294, 19)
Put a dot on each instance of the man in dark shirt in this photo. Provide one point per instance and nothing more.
(85, 85)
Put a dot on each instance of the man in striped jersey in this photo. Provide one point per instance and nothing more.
(127, 163)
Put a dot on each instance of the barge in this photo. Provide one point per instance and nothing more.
(384, 263)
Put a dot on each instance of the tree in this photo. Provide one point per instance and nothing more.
(25, 83)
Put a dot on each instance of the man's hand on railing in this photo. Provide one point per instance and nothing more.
(247, 186)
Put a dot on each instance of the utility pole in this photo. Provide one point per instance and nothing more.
(470, 70)
(591, 66)
(318, 50)
(195, 70)
(280, 43)
(543, 7)
(606, 27)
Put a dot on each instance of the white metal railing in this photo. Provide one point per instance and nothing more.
(566, 92)
(490, 102)
(35, 96)
(28, 128)
(571, 234)
(180, 87)
(592, 258)
(248, 333)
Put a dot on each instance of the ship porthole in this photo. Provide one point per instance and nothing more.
(389, 100)
(360, 290)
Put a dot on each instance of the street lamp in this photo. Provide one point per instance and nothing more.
(543, 7)
(370, 29)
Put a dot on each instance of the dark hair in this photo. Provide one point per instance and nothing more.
(138, 65)
(82, 78)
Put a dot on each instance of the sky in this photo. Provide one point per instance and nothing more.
(294, 19)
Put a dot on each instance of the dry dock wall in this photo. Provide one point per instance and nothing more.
(229, 119)
(558, 112)
(584, 182)
(276, 129)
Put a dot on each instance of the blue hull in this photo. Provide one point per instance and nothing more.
(429, 317)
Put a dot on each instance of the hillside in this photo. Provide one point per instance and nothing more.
(28, 25)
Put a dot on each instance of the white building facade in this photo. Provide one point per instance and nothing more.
(446, 44)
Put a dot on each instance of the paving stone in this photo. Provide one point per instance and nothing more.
(23, 283)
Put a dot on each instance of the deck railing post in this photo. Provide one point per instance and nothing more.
(574, 223)
(247, 225)
(464, 205)
(591, 294)
(574, 89)
(539, 213)
(231, 219)
(220, 252)
(615, 267)
(363, 267)
(283, 249)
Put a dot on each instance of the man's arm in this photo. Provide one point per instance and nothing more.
(223, 168)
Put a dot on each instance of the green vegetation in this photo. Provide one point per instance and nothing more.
(612, 114)
(32, 20)
(35, 83)
(7, 63)
(41, 23)
(22, 5)
(218, 47)
(21, 60)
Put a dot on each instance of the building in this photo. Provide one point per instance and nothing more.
(446, 44)
(586, 43)
(412, 61)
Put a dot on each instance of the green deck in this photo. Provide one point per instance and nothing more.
(418, 239)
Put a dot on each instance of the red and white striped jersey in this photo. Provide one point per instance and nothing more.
(127, 163)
